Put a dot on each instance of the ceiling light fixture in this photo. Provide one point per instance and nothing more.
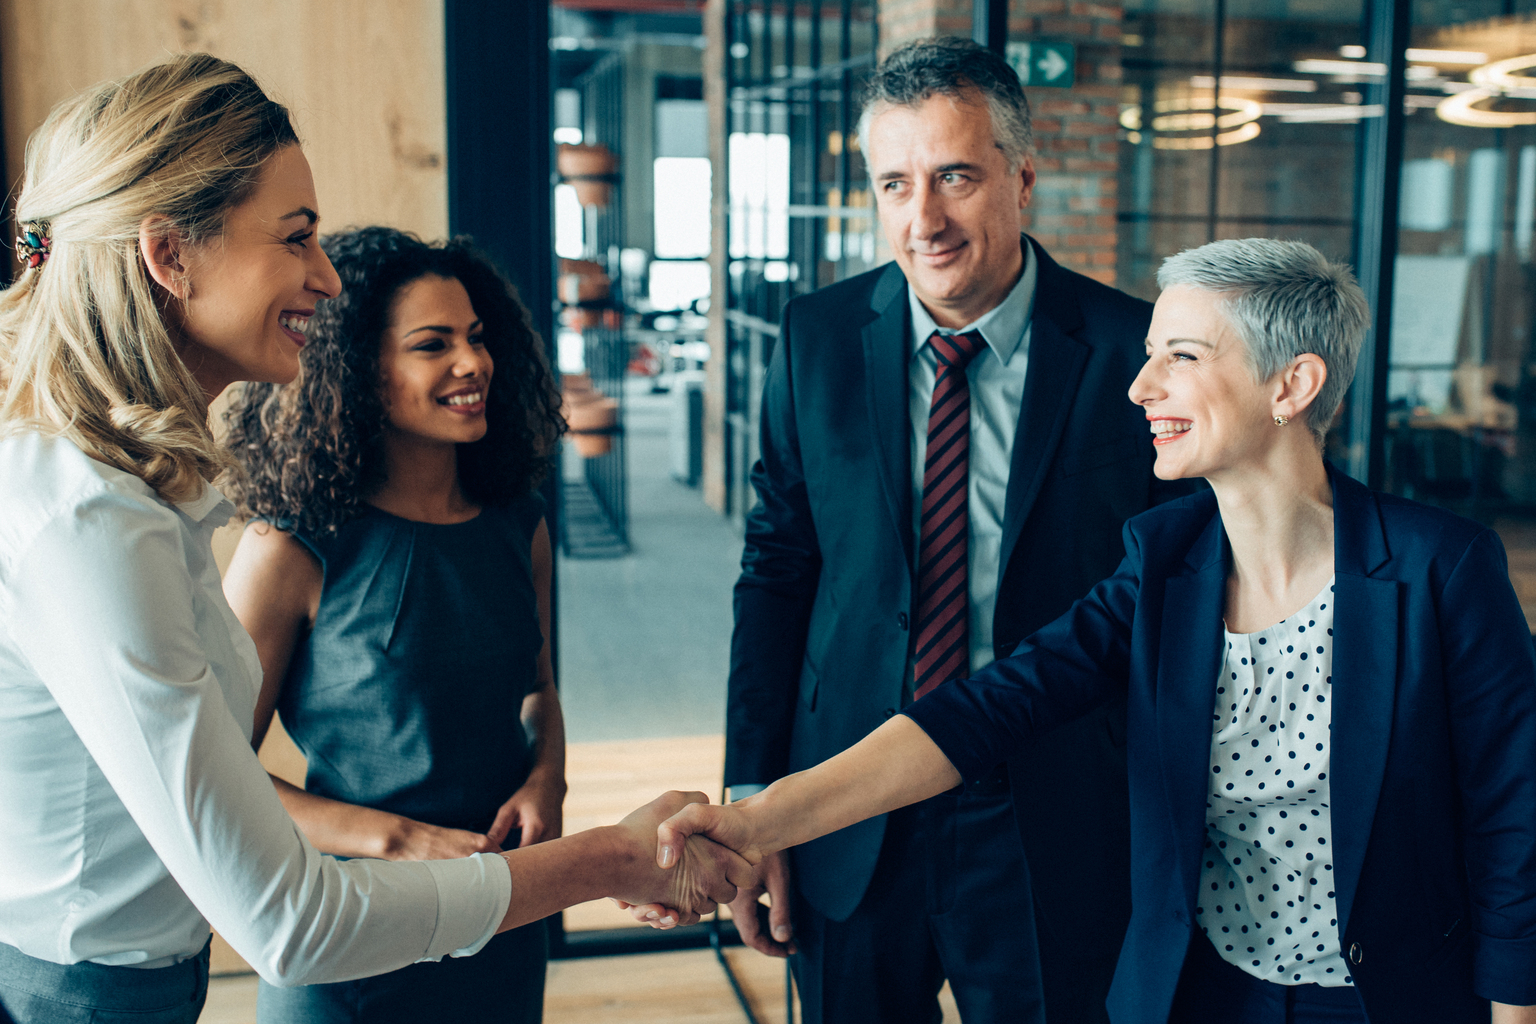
(1447, 56)
(1256, 84)
(1195, 114)
(1492, 81)
(1339, 67)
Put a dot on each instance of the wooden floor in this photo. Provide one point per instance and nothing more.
(685, 988)
(607, 781)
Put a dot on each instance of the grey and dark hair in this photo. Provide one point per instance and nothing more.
(951, 66)
(1284, 299)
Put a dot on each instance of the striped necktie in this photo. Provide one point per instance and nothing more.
(943, 596)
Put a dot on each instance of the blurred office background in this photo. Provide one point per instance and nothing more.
(660, 176)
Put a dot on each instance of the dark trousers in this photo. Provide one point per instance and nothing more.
(1211, 990)
(36, 991)
(950, 898)
(504, 983)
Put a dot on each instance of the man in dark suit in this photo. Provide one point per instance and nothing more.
(948, 454)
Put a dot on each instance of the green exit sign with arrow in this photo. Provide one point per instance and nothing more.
(1040, 63)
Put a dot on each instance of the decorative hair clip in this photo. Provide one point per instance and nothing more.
(33, 247)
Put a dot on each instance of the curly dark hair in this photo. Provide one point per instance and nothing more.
(313, 450)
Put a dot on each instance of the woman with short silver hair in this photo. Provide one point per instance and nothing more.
(1332, 697)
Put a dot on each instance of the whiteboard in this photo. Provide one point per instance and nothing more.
(1428, 300)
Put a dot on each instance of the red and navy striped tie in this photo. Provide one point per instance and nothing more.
(943, 596)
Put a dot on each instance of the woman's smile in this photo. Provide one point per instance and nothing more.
(295, 324)
(1168, 430)
(466, 401)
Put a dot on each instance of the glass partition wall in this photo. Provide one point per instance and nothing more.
(800, 214)
(1229, 131)
(1460, 425)
(1397, 135)
(1400, 137)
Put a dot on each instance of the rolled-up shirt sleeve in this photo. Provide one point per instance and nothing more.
(106, 618)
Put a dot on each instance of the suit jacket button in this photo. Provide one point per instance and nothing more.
(1356, 954)
(890, 712)
(901, 619)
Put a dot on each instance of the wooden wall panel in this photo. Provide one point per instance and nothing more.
(364, 80)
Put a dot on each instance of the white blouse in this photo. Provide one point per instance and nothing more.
(1266, 887)
(132, 807)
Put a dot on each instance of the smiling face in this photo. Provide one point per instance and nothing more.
(250, 292)
(433, 365)
(1199, 392)
(948, 203)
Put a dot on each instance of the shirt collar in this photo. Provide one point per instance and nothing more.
(1002, 326)
(210, 505)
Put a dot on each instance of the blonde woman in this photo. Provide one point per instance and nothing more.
(169, 246)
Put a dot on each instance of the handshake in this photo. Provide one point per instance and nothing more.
(696, 854)
(685, 856)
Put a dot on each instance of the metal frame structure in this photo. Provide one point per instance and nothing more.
(1374, 225)
(1378, 180)
(606, 347)
(791, 69)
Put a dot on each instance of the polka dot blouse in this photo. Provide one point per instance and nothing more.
(1266, 883)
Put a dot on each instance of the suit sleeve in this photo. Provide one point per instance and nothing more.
(1059, 673)
(1491, 688)
(780, 568)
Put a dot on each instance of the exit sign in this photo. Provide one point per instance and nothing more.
(1040, 63)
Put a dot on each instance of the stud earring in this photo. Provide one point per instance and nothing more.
(1281, 421)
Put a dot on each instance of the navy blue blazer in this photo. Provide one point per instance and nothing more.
(1433, 746)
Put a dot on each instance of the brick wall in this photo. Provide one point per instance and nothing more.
(1073, 212)
(901, 20)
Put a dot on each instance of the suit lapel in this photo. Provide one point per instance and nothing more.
(886, 356)
(1189, 660)
(1056, 362)
(1366, 625)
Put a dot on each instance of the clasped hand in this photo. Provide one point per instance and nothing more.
(766, 929)
(693, 877)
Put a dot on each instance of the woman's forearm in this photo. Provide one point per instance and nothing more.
(348, 830)
(1505, 1014)
(548, 877)
(892, 767)
(545, 723)
(341, 829)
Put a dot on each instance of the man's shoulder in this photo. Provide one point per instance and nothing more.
(851, 298)
(1098, 303)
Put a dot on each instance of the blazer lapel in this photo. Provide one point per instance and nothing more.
(886, 356)
(1366, 625)
(1189, 660)
(1056, 362)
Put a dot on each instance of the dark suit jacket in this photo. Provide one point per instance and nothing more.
(824, 604)
(1433, 746)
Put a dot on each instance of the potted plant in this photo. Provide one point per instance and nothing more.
(590, 168)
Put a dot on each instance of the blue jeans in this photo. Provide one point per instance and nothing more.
(503, 983)
(36, 991)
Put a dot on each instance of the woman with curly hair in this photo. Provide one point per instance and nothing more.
(396, 580)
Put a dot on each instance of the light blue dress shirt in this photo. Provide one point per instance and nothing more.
(997, 393)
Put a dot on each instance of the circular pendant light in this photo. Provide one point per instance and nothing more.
(1493, 81)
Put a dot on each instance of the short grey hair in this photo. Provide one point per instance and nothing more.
(952, 66)
(1284, 299)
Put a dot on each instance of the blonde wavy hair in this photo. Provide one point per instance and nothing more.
(85, 352)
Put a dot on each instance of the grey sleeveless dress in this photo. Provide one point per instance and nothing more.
(406, 697)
